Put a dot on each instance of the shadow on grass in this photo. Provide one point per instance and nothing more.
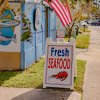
(44, 94)
(6, 75)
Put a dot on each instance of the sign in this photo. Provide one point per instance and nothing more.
(59, 67)
(33, 1)
(60, 34)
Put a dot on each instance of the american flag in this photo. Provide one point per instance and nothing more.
(62, 11)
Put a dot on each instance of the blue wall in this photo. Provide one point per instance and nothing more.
(28, 48)
(52, 25)
(32, 41)
(33, 50)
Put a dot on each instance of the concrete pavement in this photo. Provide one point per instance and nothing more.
(91, 88)
(36, 94)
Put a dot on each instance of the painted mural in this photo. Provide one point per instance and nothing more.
(26, 29)
(9, 25)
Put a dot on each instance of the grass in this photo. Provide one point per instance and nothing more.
(83, 41)
(33, 77)
(30, 78)
(86, 30)
(78, 82)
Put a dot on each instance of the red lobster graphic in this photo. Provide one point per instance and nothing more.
(61, 75)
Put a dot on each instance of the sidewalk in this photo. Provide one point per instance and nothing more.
(91, 88)
(36, 94)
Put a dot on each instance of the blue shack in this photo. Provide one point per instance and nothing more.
(24, 27)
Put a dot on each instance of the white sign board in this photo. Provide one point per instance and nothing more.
(33, 1)
(59, 67)
(60, 34)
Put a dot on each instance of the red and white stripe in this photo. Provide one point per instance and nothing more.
(61, 11)
(68, 12)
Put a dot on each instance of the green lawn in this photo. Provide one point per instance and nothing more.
(83, 41)
(86, 30)
(33, 77)
(80, 71)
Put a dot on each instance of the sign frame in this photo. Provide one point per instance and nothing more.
(72, 45)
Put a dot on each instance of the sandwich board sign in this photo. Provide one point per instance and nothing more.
(59, 66)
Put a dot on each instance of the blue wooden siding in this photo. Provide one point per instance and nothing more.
(52, 25)
(28, 48)
(34, 50)
(40, 34)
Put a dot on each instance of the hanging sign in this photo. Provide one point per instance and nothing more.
(59, 67)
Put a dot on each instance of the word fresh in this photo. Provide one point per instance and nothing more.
(59, 52)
